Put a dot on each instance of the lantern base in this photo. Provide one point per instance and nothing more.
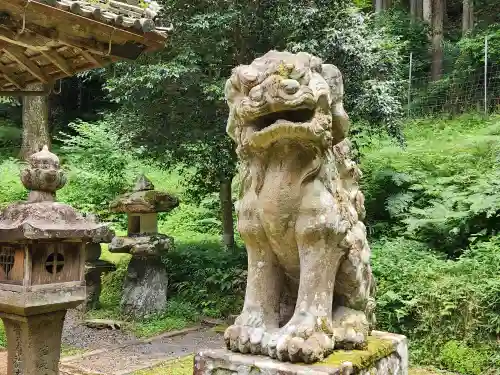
(34, 343)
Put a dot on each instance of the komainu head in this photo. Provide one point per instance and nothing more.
(282, 95)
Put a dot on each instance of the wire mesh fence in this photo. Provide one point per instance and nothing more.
(463, 85)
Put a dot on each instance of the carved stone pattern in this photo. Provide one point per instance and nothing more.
(43, 173)
(34, 345)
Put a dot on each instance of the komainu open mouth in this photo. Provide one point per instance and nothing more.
(296, 116)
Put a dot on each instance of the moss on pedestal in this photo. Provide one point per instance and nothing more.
(360, 359)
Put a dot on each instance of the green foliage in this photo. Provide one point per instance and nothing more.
(210, 277)
(178, 315)
(99, 169)
(10, 138)
(11, 188)
(442, 188)
(368, 55)
(464, 360)
(172, 102)
(435, 301)
(3, 338)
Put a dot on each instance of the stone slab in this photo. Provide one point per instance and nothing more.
(387, 354)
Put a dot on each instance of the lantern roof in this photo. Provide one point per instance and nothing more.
(144, 199)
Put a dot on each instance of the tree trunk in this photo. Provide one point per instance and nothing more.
(35, 122)
(227, 213)
(437, 39)
(379, 6)
(467, 16)
(419, 13)
(427, 10)
(413, 9)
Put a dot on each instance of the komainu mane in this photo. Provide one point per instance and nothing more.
(310, 285)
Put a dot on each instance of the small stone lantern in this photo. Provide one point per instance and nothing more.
(94, 268)
(145, 287)
(42, 259)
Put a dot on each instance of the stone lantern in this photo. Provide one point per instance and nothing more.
(94, 268)
(42, 265)
(145, 287)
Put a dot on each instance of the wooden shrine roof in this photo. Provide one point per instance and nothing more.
(42, 41)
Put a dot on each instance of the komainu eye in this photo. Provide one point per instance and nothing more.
(248, 75)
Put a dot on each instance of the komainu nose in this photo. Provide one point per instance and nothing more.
(290, 86)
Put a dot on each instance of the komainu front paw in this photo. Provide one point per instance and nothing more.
(246, 334)
(306, 338)
(351, 328)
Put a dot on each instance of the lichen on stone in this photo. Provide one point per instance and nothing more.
(361, 359)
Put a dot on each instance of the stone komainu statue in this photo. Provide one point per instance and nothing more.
(310, 286)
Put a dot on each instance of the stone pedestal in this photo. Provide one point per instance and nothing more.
(34, 343)
(145, 287)
(387, 354)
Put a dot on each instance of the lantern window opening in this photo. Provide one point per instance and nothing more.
(7, 257)
(54, 262)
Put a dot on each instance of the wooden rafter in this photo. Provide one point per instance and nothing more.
(27, 39)
(16, 53)
(41, 42)
(58, 61)
(88, 56)
(78, 26)
(11, 81)
(8, 76)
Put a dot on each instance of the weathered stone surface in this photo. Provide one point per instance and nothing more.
(92, 252)
(93, 272)
(34, 343)
(40, 299)
(103, 324)
(144, 199)
(300, 213)
(145, 287)
(49, 220)
(386, 354)
(43, 176)
(142, 246)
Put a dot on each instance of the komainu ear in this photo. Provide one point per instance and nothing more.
(340, 126)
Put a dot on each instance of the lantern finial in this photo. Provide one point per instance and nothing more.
(43, 176)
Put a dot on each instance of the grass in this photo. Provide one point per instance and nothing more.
(181, 366)
(70, 351)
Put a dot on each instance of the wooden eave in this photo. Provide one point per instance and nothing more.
(41, 43)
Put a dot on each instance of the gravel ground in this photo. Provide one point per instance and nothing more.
(79, 336)
(135, 357)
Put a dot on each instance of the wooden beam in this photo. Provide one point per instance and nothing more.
(7, 75)
(58, 61)
(11, 81)
(78, 26)
(17, 53)
(88, 56)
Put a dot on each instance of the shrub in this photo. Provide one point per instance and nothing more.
(434, 301)
(208, 276)
(10, 137)
(442, 188)
(11, 188)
